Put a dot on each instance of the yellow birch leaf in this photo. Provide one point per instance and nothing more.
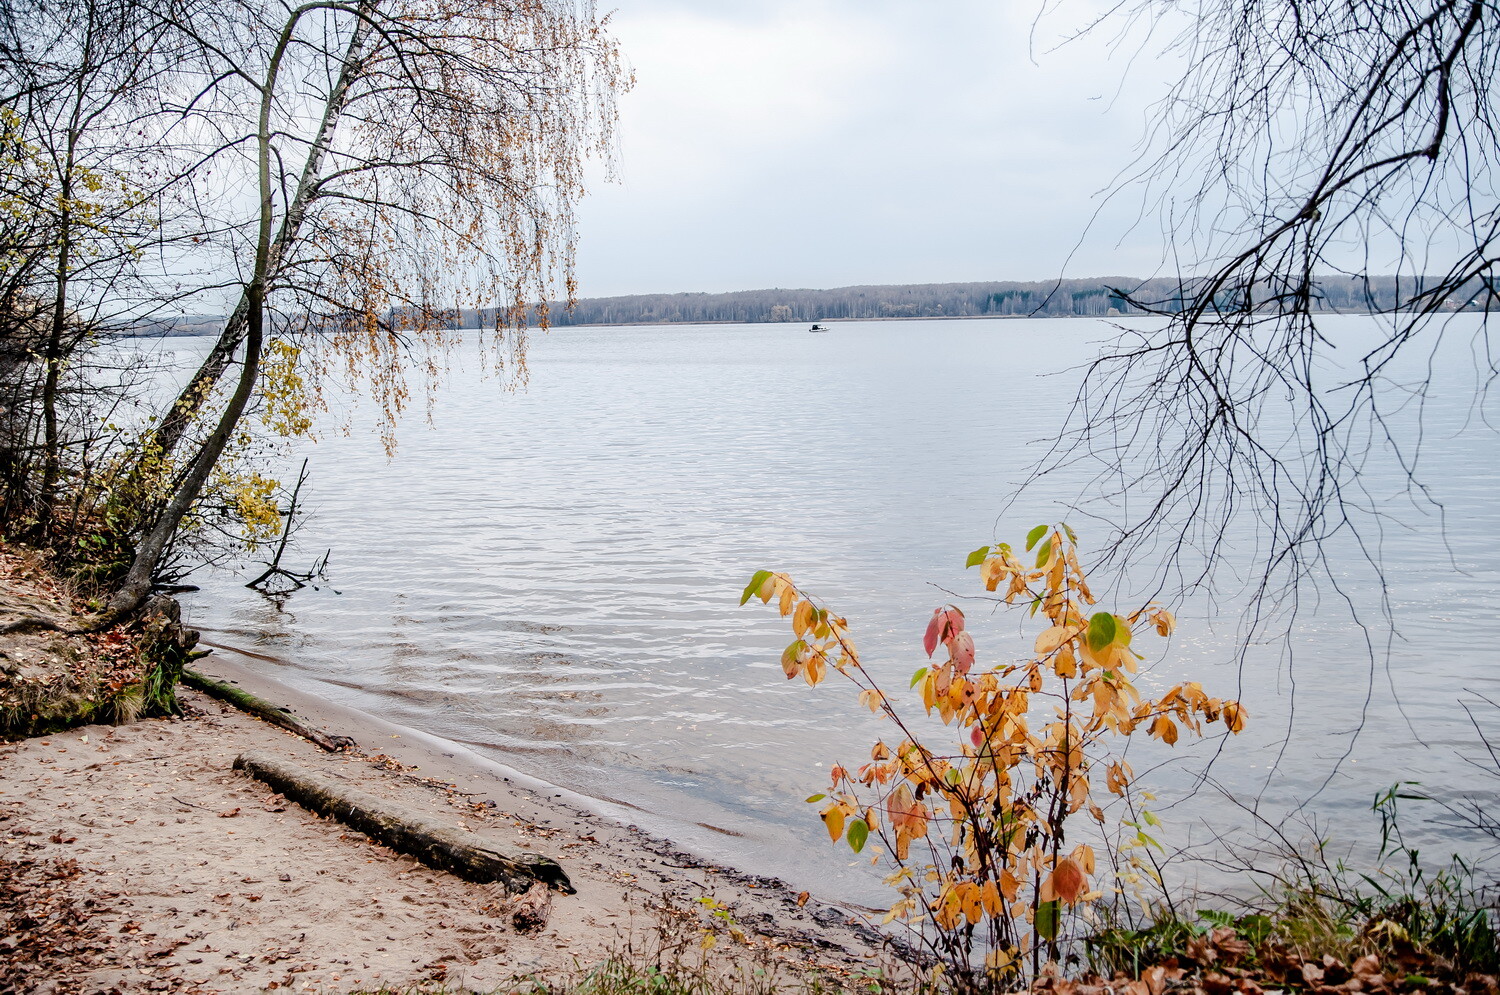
(973, 907)
(1078, 790)
(802, 618)
(990, 896)
(791, 659)
(1000, 960)
(1051, 639)
(1234, 716)
(833, 818)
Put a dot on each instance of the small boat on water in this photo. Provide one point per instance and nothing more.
(818, 328)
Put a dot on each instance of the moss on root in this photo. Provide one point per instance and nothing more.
(50, 682)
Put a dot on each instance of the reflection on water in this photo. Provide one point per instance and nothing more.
(553, 576)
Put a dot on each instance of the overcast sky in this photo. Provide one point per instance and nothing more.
(822, 143)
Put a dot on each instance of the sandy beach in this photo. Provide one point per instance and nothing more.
(136, 859)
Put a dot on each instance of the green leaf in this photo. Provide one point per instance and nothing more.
(1101, 630)
(815, 798)
(1048, 918)
(1145, 840)
(977, 557)
(1068, 531)
(1034, 535)
(859, 831)
(1150, 817)
(1043, 554)
(953, 776)
(754, 585)
(917, 677)
(1035, 604)
(1255, 928)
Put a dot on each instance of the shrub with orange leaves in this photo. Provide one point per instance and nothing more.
(977, 833)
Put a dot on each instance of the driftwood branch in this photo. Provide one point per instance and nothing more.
(261, 708)
(405, 830)
(274, 568)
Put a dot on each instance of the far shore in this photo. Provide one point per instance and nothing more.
(201, 328)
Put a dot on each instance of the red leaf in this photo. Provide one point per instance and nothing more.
(961, 645)
(930, 640)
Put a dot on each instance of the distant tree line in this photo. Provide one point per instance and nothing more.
(1100, 297)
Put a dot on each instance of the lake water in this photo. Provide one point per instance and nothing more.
(551, 576)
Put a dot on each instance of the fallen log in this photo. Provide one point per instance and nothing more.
(261, 708)
(410, 832)
(532, 909)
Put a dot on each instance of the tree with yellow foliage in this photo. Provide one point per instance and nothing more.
(365, 169)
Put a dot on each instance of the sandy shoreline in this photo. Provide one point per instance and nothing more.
(171, 872)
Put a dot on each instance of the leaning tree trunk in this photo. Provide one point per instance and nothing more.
(177, 419)
(137, 583)
(268, 252)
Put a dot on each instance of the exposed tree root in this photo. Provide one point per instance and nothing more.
(263, 709)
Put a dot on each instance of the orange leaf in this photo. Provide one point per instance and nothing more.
(1069, 881)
